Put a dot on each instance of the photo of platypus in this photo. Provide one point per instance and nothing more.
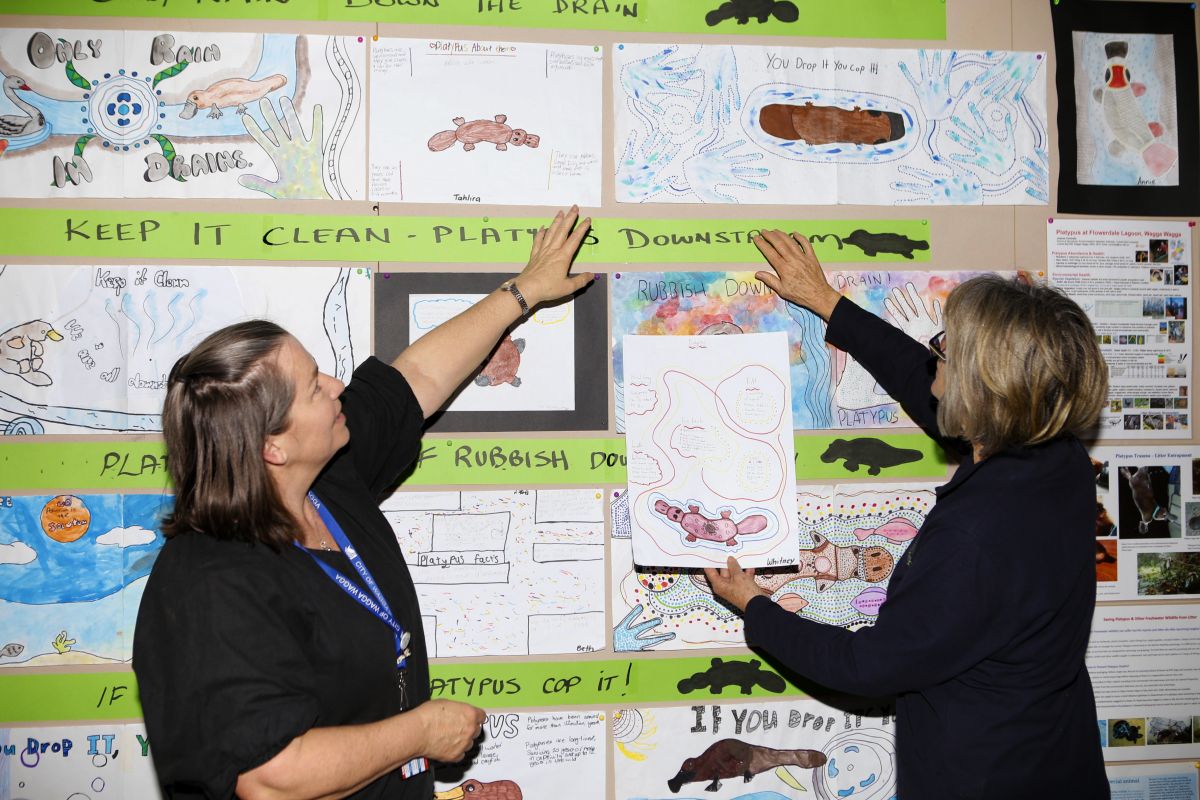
(733, 758)
(482, 130)
(230, 92)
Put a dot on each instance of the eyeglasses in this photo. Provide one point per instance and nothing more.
(937, 345)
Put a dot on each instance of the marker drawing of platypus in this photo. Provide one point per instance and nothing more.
(482, 130)
(733, 758)
(697, 526)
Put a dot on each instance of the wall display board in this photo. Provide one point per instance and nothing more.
(1128, 125)
(100, 113)
(559, 513)
(1133, 280)
(850, 539)
(89, 348)
(467, 122)
(741, 124)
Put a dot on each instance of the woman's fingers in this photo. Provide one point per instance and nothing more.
(771, 280)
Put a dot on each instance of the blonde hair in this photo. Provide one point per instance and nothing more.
(1022, 365)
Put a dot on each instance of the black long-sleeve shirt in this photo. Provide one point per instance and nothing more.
(983, 633)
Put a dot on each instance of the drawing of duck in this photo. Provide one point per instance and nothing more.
(21, 351)
(14, 125)
(479, 790)
(230, 92)
(1125, 118)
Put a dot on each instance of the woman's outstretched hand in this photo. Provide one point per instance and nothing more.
(797, 277)
(545, 277)
(734, 584)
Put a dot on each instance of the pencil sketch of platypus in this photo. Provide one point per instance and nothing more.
(481, 130)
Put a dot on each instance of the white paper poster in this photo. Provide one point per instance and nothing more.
(89, 349)
(505, 573)
(196, 114)
(498, 123)
(1144, 663)
(1132, 279)
(815, 126)
(75, 762)
(755, 751)
(710, 448)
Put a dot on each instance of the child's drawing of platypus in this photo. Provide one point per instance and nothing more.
(230, 92)
(698, 526)
(482, 130)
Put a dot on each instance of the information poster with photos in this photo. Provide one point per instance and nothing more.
(1132, 278)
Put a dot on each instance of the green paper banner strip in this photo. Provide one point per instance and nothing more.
(613, 683)
(119, 236)
(864, 19)
(45, 465)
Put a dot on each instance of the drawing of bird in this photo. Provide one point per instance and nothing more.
(14, 125)
(21, 351)
(1117, 99)
(230, 92)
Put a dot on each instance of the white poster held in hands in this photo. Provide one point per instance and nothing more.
(710, 449)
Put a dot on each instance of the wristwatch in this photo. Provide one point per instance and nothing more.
(510, 286)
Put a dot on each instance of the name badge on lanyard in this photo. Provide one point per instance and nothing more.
(372, 600)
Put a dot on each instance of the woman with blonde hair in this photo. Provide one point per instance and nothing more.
(279, 649)
(983, 634)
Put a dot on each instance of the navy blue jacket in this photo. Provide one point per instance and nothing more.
(983, 633)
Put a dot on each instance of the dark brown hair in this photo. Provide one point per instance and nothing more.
(224, 399)
(1022, 365)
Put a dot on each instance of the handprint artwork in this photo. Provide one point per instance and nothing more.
(740, 124)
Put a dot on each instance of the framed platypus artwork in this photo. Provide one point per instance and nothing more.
(1128, 125)
(541, 376)
(186, 114)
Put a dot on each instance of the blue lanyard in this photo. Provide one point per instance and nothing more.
(374, 601)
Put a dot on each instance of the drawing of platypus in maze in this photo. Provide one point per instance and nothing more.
(722, 529)
(873, 244)
(733, 758)
(762, 10)
(482, 130)
(876, 454)
(743, 674)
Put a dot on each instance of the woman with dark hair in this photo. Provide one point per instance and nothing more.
(983, 634)
(279, 648)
